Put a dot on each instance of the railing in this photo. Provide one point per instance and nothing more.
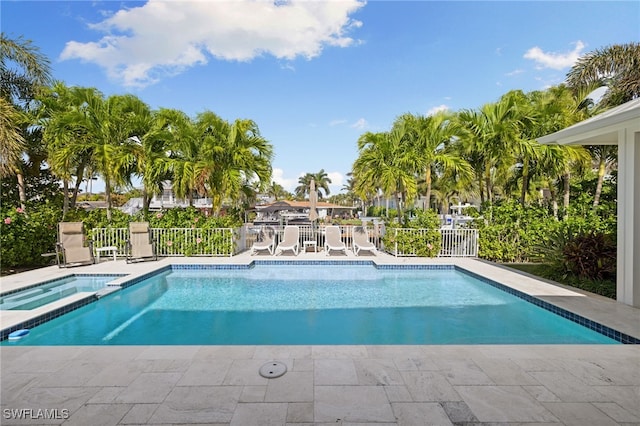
(174, 241)
(460, 242)
(307, 233)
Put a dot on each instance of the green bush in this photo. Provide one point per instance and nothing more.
(508, 231)
(26, 235)
(425, 244)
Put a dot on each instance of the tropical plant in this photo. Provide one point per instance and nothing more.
(616, 67)
(24, 71)
(386, 162)
(321, 180)
(431, 140)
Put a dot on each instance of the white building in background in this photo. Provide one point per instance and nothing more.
(166, 200)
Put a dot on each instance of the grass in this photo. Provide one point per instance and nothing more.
(605, 288)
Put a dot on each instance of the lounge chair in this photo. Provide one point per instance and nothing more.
(361, 241)
(266, 240)
(333, 240)
(140, 246)
(70, 249)
(290, 240)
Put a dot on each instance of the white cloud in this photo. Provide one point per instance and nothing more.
(143, 44)
(337, 180)
(514, 72)
(360, 124)
(277, 175)
(336, 122)
(437, 109)
(556, 61)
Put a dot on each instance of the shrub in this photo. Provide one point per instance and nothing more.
(425, 244)
(26, 235)
(588, 254)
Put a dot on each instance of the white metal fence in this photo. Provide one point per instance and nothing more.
(460, 242)
(173, 241)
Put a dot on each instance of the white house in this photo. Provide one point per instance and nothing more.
(619, 126)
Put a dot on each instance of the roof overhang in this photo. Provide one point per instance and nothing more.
(601, 129)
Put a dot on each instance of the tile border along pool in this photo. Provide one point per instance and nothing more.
(603, 315)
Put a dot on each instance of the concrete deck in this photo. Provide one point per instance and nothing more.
(348, 385)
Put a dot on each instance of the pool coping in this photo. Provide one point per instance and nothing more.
(601, 314)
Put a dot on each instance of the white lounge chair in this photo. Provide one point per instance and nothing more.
(361, 241)
(140, 246)
(266, 240)
(333, 240)
(70, 249)
(290, 241)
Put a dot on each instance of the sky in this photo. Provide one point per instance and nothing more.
(316, 75)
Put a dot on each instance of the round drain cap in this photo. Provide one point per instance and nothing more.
(273, 369)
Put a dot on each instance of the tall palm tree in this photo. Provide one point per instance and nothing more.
(277, 191)
(607, 157)
(149, 134)
(67, 143)
(386, 162)
(616, 66)
(183, 152)
(321, 180)
(487, 136)
(19, 83)
(231, 156)
(431, 138)
(13, 143)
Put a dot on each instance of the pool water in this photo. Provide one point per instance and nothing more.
(310, 305)
(42, 294)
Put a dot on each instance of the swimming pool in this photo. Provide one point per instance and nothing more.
(43, 293)
(311, 304)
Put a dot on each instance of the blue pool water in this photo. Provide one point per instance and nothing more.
(36, 296)
(310, 305)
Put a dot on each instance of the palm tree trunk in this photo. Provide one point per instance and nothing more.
(21, 190)
(74, 194)
(487, 180)
(481, 186)
(107, 193)
(65, 200)
(525, 180)
(601, 172)
(146, 202)
(566, 193)
(427, 180)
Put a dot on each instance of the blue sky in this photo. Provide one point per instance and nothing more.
(317, 75)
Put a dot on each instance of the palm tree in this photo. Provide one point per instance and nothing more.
(487, 136)
(616, 66)
(607, 157)
(67, 143)
(13, 143)
(183, 152)
(232, 155)
(33, 72)
(277, 191)
(150, 137)
(386, 162)
(19, 83)
(431, 139)
(322, 182)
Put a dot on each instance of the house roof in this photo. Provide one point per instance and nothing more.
(601, 129)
